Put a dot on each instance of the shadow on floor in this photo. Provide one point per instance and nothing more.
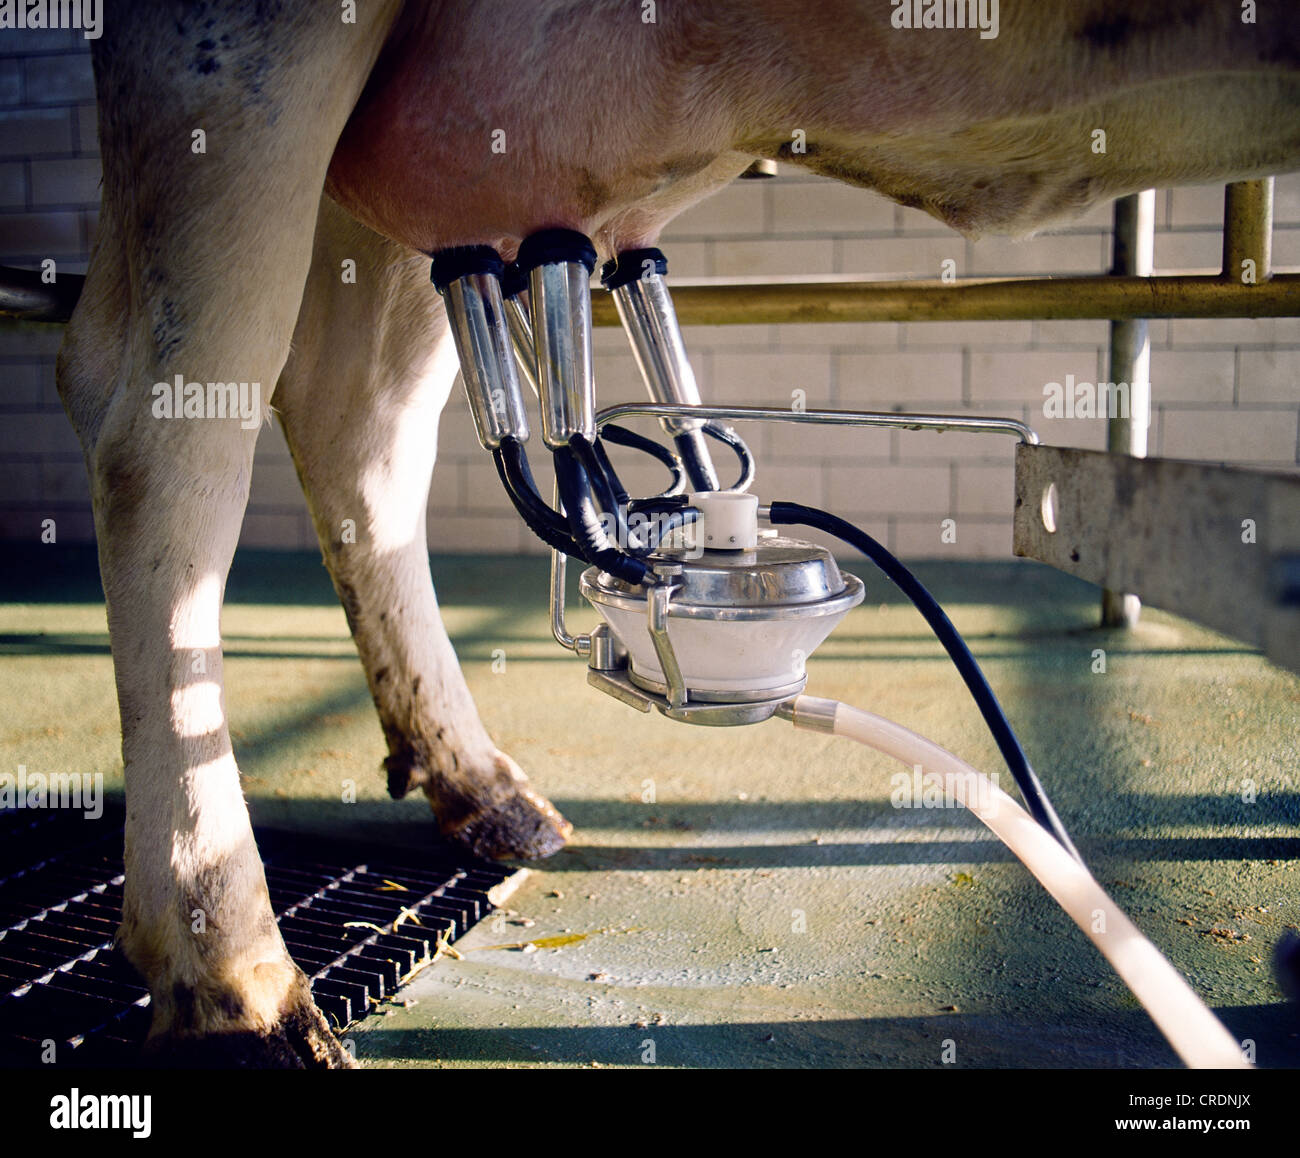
(1126, 1039)
(592, 858)
(1144, 808)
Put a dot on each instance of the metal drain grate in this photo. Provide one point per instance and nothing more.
(360, 925)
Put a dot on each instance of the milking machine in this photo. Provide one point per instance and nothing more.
(708, 611)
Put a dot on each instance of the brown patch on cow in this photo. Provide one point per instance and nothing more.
(351, 602)
(168, 329)
(1115, 27)
(231, 1006)
(404, 771)
(205, 61)
(1107, 32)
(183, 1002)
(592, 193)
(119, 481)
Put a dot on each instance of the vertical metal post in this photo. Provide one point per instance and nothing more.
(1130, 362)
(1248, 231)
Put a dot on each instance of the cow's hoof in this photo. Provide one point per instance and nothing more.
(300, 1039)
(521, 825)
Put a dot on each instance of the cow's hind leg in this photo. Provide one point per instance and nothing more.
(371, 368)
(198, 274)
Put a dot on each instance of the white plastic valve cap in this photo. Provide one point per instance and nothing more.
(728, 520)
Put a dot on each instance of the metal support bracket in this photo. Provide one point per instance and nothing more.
(617, 684)
(657, 623)
(1216, 544)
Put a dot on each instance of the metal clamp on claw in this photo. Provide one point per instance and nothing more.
(721, 635)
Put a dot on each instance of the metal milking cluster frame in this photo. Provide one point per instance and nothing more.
(745, 606)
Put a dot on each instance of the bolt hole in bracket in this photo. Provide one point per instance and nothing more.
(609, 668)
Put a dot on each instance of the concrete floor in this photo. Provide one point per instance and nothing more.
(749, 897)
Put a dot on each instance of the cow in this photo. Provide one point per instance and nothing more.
(251, 146)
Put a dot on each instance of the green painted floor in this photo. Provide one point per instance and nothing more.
(749, 897)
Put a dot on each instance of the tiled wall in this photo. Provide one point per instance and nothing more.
(1222, 390)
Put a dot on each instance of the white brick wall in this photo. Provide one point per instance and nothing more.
(1222, 390)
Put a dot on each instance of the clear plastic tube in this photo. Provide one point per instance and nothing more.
(1197, 1036)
